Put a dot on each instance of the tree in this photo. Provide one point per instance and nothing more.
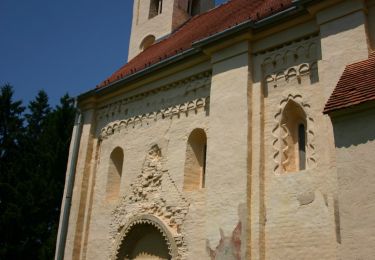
(11, 125)
(11, 137)
(38, 116)
(33, 155)
(56, 141)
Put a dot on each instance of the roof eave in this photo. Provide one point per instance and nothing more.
(297, 8)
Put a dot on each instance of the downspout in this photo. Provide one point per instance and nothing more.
(60, 247)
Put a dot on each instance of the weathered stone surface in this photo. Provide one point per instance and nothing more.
(253, 204)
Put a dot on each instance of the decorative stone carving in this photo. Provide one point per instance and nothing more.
(280, 145)
(193, 106)
(153, 193)
(291, 63)
(190, 84)
(149, 220)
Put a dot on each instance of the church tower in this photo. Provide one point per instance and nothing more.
(155, 19)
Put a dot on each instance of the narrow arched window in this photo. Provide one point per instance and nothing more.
(156, 7)
(302, 146)
(194, 7)
(195, 161)
(114, 173)
(294, 138)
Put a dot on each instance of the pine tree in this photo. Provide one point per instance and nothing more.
(56, 141)
(33, 162)
(11, 138)
(38, 116)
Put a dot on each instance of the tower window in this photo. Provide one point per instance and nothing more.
(195, 161)
(193, 7)
(156, 7)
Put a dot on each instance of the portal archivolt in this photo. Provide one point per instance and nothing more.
(145, 239)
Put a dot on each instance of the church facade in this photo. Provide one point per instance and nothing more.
(242, 131)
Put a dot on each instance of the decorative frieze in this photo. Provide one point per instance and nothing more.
(120, 107)
(291, 63)
(173, 112)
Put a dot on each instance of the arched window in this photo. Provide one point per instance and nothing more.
(156, 7)
(195, 161)
(114, 173)
(147, 42)
(294, 146)
(194, 7)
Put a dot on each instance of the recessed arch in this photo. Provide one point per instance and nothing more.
(294, 123)
(146, 237)
(147, 42)
(195, 161)
(116, 161)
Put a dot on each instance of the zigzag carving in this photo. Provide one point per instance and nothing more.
(193, 106)
(295, 73)
(280, 133)
(191, 84)
(291, 62)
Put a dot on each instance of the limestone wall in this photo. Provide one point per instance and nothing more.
(298, 210)
(252, 206)
(164, 117)
(356, 182)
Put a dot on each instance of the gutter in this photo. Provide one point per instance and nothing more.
(116, 84)
(298, 6)
(63, 229)
(247, 25)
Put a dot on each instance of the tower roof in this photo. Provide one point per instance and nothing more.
(197, 28)
(356, 86)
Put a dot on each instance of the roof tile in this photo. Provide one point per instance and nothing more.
(356, 85)
(197, 28)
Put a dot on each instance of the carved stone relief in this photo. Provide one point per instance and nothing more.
(291, 64)
(120, 108)
(177, 111)
(154, 194)
(279, 143)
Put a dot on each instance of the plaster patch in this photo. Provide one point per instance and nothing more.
(229, 247)
(306, 198)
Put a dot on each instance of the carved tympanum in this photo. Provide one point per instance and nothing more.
(155, 195)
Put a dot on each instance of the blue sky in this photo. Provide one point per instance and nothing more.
(62, 46)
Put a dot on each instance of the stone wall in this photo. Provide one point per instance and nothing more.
(356, 182)
(252, 206)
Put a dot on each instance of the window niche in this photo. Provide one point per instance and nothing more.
(156, 8)
(295, 138)
(195, 161)
(114, 174)
(147, 42)
(194, 7)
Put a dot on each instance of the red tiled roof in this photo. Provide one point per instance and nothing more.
(197, 28)
(356, 85)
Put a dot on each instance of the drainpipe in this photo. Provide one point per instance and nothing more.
(60, 247)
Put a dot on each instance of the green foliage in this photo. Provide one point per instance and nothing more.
(33, 155)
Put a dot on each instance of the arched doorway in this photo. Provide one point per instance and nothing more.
(144, 240)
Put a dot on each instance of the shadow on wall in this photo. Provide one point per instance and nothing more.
(354, 129)
(347, 23)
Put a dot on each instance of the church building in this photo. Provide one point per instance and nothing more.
(241, 131)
